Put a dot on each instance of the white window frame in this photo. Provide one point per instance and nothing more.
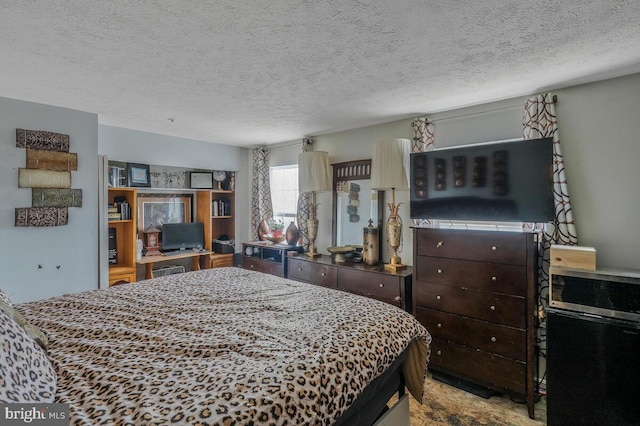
(278, 213)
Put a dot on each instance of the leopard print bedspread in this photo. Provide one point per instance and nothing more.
(220, 346)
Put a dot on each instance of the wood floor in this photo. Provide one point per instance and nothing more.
(445, 405)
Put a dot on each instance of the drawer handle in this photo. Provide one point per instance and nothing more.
(324, 274)
(299, 268)
(493, 339)
(440, 244)
(439, 352)
(494, 248)
(494, 279)
(493, 308)
(252, 265)
(439, 325)
(438, 297)
(439, 271)
(381, 285)
(397, 298)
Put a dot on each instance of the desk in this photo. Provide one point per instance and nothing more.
(149, 261)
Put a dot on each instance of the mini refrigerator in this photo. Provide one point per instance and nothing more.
(593, 348)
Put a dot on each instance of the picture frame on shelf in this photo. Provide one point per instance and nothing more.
(201, 180)
(153, 212)
(138, 175)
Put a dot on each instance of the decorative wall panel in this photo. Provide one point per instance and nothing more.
(51, 160)
(41, 216)
(45, 197)
(38, 139)
(35, 178)
(48, 173)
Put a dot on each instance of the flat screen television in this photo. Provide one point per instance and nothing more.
(501, 181)
(182, 236)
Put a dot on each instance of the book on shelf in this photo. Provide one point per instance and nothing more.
(221, 207)
(119, 211)
(113, 246)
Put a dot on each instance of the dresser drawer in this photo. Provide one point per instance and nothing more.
(371, 284)
(315, 273)
(499, 339)
(492, 307)
(485, 246)
(266, 266)
(492, 277)
(485, 368)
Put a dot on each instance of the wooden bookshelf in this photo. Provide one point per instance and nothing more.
(124, 270)
(217, 221)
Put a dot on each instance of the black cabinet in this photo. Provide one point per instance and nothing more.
(593, 373)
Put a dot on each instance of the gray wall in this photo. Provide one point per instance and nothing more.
(74, 247)
(162, 150)
(599, 130)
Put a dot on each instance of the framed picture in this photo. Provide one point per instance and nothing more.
(201, 180)
(138, 174)
(153, 212)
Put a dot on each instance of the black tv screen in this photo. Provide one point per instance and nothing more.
(182, 236)
(501, 181)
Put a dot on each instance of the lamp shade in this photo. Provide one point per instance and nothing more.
(390, 164)
(313, 172)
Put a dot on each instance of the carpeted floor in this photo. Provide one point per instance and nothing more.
(445, 405)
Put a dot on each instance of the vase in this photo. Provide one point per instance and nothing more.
(292, 235)
(263, 229)
(139, 247)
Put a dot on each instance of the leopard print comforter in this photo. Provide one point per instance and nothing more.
(221, 346)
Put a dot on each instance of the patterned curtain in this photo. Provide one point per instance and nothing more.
(261, 206)
(304, 201)
(423, 135)
(423, 140)
(540, 121)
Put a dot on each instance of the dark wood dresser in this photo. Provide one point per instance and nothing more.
(370, 281)
(475, 293)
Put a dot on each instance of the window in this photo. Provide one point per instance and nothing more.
(284, 192)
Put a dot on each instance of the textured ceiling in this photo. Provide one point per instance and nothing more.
(243, 72)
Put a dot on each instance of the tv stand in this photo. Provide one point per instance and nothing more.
(196, 260)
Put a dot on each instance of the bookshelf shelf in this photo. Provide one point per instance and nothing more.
(122, 236)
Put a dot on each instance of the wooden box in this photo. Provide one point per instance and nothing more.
(573, 256)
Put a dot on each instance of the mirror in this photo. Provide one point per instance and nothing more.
(354, 202)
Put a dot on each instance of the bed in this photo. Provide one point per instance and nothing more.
(225, 346)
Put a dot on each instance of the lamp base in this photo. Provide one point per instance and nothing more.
(395, 263)
(315, 254)
(394, 267)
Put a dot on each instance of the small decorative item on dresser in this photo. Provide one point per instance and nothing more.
(263, 229)
(293, 234)
(370, 245)
(276, 227)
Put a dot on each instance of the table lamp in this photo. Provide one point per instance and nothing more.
(389, 168)
(313, 176)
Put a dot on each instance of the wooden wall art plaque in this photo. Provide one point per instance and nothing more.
(36, 178)
(50, 197)
(51, 160)
(41, 216)
(38, 139)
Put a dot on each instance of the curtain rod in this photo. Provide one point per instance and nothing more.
(554, 99)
